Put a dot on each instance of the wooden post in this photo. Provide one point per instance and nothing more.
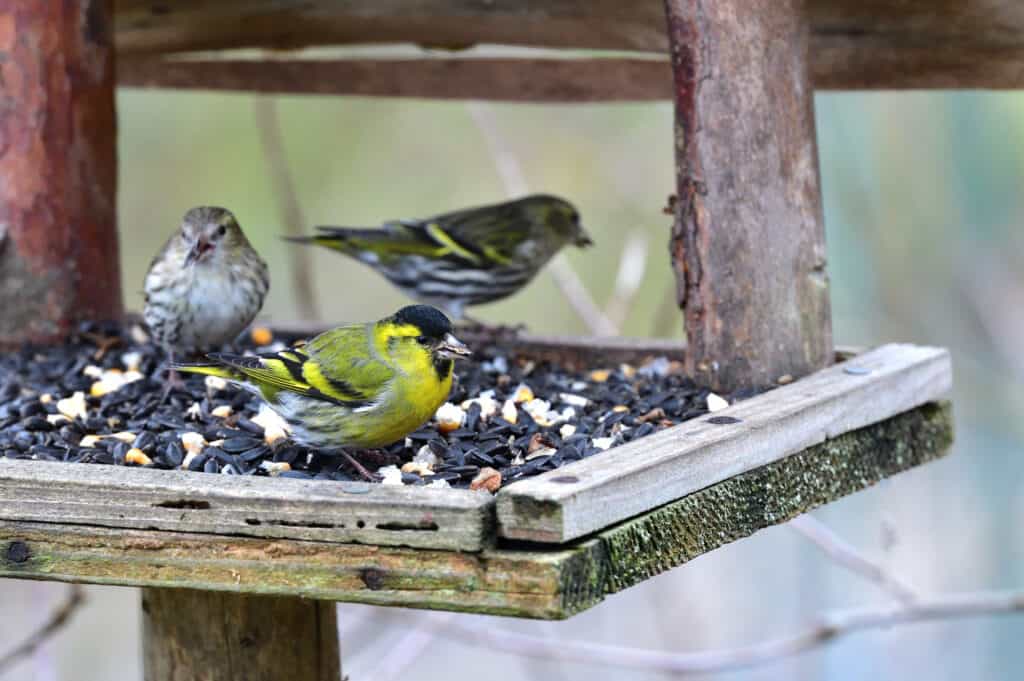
(748, 244)
(218, 636)
(58, 172)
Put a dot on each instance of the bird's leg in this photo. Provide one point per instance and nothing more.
(360, 468)
(491, 332)
(173, 380)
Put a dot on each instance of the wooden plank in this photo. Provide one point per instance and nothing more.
(183, 501)
(521, 582)
(58, 169)
(510, 80)
(191, 634)
(722, 513)
(855, 44)
(749, 255)
(588, 495)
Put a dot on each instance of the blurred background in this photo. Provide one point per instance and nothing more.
(923, 208)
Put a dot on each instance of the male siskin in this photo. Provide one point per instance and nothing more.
(205, 285)
(360, 385)
(468, 257)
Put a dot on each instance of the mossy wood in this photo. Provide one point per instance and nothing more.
(589, 495)
(509, 580)
(854, 44)
(572, 501)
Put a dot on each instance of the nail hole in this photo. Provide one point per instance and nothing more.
(565, 479)
(724, 420)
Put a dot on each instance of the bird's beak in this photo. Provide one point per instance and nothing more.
(584, 240)
(201, 248)
(452, 348)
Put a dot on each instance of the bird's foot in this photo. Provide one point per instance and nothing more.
(359, 468)
(491, 332)
(173, 382)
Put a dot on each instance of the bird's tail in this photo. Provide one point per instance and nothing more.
(207, 369)
(358, 242)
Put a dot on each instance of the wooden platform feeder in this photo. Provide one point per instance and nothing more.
(255, 563)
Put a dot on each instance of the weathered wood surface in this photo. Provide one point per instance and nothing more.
(854, 44)
(588, 495)
(190, 635)
(184, 501)
(748, 242)
(58, 173)
(522, 582)
(511, 80)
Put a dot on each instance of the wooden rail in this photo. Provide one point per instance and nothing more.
(537, 582)
(854, 44)
(589, 495)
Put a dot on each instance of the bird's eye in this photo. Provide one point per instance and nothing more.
(422, 340)
(574, 216)
(222, 230)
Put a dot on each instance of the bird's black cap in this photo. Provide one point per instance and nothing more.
(427, 319)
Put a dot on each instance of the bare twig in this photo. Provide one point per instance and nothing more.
(990, 288)
(843, 553)
(269, 124)
(511, 174)
(632, 266)
(75, 597)
(830, 627)
(410, 646)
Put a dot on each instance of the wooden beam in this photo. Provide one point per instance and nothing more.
(183, 501)
(586, 496)
(748, 243)
(58, 174)
(854, 44)
(226, 637)
(511, 80)
(520, 582)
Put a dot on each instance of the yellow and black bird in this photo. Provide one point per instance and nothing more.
(361, 385)
(467, 257)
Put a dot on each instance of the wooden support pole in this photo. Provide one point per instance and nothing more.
(748, 244)
(58, 172)
(221, 636)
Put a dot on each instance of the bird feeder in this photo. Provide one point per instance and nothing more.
(268, 557)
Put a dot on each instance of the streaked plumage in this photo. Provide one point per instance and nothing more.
(467, 257)
(205, 285)
(361, 385)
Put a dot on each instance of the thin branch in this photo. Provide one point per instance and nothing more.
(843, 553)
(413, 643)
(269, 124)
(632, 266)
(511, 174)
(75, 598)
(829, 628)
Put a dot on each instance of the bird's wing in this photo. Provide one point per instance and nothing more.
(336, 369)
(489, 235)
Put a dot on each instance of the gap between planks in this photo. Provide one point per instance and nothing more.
(587, 496)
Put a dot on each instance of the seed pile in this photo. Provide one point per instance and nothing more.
(96, 399)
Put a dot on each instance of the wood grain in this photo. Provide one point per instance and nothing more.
(588, 495)
(748, 242)
(854, 44)
(58, 168)
(190, 635)
(510, 80)
(183, 501)
(516, 581)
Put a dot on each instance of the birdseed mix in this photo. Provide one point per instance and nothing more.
(97, 398)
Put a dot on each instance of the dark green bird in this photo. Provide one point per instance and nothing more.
(468, 257)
